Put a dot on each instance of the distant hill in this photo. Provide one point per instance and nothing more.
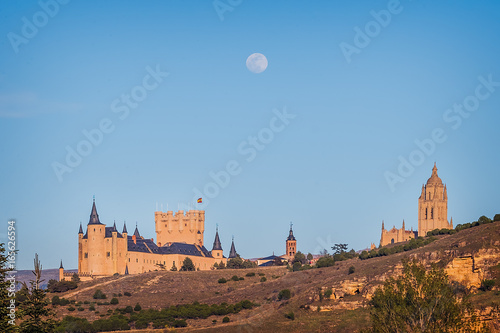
(468, 254)
(47, 274)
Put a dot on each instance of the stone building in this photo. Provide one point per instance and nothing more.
(103, 251)
(432, 213)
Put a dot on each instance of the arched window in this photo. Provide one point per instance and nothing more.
(432, 213)
(426, 213)
(392, 241)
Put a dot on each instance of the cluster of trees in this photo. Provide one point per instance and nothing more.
(421, 300)
(482, 220)
(55, 286)
(385, 251)
(340, 253)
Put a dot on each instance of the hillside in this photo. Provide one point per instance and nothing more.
(467, 257)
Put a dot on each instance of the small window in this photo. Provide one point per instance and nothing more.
(108, 254)
(86, 255)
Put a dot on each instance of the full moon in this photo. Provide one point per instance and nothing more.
(257, 63)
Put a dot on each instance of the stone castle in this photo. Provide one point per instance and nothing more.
(103, 251)
(432, 213)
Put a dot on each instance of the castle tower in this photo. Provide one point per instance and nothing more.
(291, 244)
(179, 227)
(61, 272)
(80, 248)
(96, 248)
(433, 205)
(217, 248)
(232, 252)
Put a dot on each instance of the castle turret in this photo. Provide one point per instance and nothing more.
(232, 252)
(61, 272)
(217, 248)
(291, 244)
(96, 246)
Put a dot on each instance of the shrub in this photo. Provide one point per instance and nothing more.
(225, 319)
(328, 293)
(487, 285)
(141, 323)
(137, 308)
(284, 294)
(222, 280)
(214, 321)
(127, 294)
(250, 274)
(114, 301)
(290, 315)
(71, 308)
(234, 278)
(92, 308)
(129, 309)
(55, 300)
(496, 217)
(180, 323)
(241, 278)
(263, 279)
(80, 309)
(262, 274)
(99, 294)
(351, 270)
(86, 302)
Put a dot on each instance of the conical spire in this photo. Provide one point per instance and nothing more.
(290, 235)
(114, 226)
(81, 230)
(94, 217)
(124, 228)
(136, 232)
(404, 225)
(232, 252)
(217, 244)
(61, 266)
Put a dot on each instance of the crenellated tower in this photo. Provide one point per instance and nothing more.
(179, 227)
(433, 205)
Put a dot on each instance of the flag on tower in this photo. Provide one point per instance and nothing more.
(199, 200)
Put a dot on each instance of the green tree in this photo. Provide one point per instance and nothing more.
(483, 219)
(75, 278)
(173, 268)
(496, 217)
(187, 265)
(300, 258)
(235, 262)
(339, 248)
(34, 311)
(222, 265)
(420, 301)
(309, 257)
(99, 294)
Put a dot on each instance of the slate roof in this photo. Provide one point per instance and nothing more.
(94, 217)
(232, 252)
(108, 232)
(148, 246)
(217, 244)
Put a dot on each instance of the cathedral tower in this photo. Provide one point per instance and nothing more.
(433, 205)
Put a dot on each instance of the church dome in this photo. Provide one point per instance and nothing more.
(434, 179)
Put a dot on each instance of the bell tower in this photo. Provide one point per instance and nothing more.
(291, 244)
(433, 205)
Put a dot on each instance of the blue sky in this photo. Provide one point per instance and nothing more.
(326, 167)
